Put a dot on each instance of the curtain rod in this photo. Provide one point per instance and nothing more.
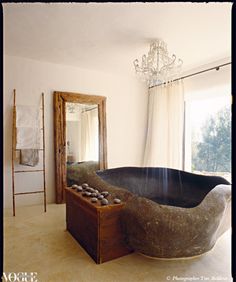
(87, 110)
(192, 74)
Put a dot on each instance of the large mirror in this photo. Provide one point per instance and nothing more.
(80, 137)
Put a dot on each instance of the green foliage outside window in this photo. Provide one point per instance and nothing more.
(213, 153)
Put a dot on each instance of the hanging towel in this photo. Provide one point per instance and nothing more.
(27, 116)
(28, 134)
(27, 138)
(27, 127)
(29, 157)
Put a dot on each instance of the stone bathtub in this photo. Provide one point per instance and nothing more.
(168, 213)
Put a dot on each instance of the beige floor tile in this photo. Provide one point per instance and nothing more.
(38, 241)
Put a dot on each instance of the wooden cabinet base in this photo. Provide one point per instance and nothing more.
(97, 228)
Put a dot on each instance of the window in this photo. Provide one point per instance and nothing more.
(208, 136)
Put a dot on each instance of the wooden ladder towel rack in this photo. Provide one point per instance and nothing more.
(23, 171)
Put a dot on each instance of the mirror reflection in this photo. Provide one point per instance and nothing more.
(81, 132)
(82, 138)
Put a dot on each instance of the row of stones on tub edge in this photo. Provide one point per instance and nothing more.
(94, 194)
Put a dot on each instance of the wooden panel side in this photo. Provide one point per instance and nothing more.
(112, 239)
(81, 98)
(63, 149)
(57, 137)
(82, 223)
(97, 228)
(102, 135)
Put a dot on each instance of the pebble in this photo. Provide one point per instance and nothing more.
(117, 201)
(74, 186)
(84, 193)
(94, 194)
(88, 194)
(94, 200)
(91, 190)
(104, 202)
(105, 193)
(100, 197)
(96, 191)
(85, 185)
(79, 189)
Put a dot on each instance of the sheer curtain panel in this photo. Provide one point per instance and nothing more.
(165, 132)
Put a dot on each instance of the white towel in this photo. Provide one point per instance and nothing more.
(27, 116)
(29, 157)
(27, 127)
(27, 138)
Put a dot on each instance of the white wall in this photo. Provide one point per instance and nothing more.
(209, 84)
(126, 115)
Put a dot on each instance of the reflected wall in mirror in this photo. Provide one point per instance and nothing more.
(80, 137)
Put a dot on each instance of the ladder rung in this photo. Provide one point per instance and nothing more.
(36, 170)
(27, 149)
(23, 193)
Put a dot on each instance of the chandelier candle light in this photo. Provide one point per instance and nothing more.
(157, 67)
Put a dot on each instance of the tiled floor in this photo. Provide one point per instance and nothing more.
(35, 241)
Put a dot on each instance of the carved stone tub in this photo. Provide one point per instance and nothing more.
(168, 213)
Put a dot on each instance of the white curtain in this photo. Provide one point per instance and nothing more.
(164, 142)
(89, 136)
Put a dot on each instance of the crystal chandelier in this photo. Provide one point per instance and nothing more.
(157, 67)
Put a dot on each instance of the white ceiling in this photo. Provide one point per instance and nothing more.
(109, 36)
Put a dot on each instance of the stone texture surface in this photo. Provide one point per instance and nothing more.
(171, 213)
(95, 181)
(168, 213)
(76, 173)
(173, 232)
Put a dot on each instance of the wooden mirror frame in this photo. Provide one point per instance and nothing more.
(59, 101)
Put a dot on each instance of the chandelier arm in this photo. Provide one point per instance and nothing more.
(168, 65)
